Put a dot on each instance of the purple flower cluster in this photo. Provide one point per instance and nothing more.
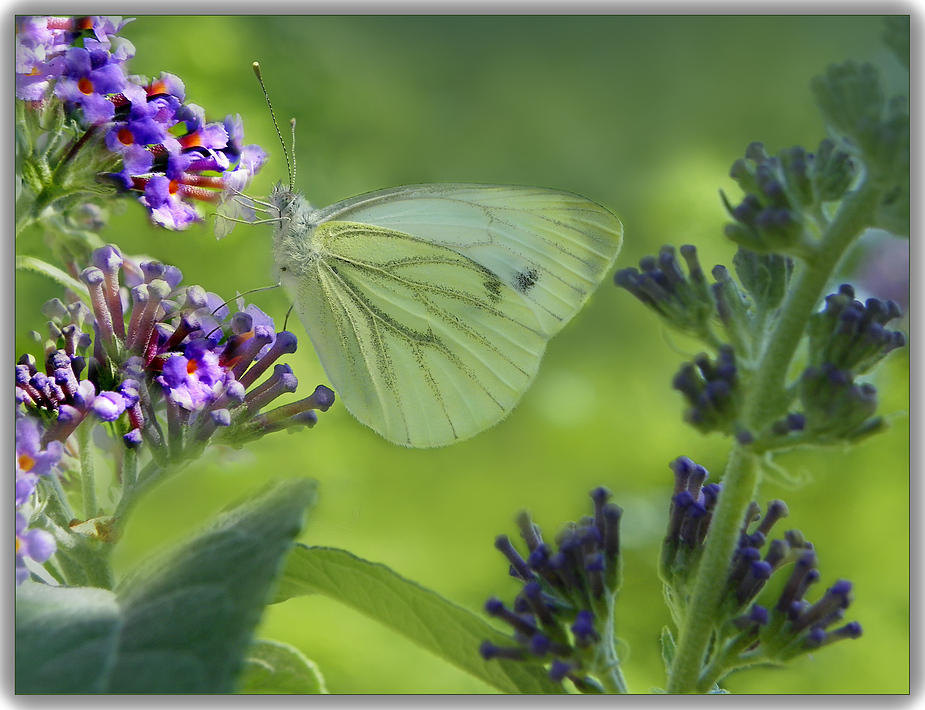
(159, 355)
(683, 301)
(711, 388)
(169, 154)
(852, 335)
(563, 611)
(753, 633)
(33, 460)
(780, 190)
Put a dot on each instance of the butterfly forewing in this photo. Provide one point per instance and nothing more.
(553, 247)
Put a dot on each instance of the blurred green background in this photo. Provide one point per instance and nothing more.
(641, 114)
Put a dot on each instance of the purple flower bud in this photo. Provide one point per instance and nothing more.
(281, 381)
(133, 439)
(285, 344)
(559, 670)
(488, 651)
(518, 566)
(221, 417)
(108, 406)
(583, 628)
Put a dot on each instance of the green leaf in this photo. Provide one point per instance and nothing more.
(30, 263)
(668, 648)
(422, 616)
(896, 36)
(212, 590)
(764, 276)
(180, 624)
(274, 667)
(66, 638)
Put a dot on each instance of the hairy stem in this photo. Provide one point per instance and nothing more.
(87, 474)
(612, 680)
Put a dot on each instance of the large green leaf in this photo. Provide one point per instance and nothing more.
(66, 638)
(448, 630)
(274, 667)
(180, 624)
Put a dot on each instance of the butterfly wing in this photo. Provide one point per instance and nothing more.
(430, 306)
(553, 247)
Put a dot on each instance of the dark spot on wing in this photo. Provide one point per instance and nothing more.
(492, 287)
(525, 280)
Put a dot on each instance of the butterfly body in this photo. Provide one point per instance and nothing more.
(430, 306)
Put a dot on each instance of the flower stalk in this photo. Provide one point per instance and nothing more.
(761, 405)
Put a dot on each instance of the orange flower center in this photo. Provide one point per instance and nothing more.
(26, 462)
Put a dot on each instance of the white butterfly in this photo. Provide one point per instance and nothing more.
(430, 306)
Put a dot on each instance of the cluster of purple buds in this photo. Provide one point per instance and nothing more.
(835, 407)
(163, 149)
(711, 389)
(751, 632)
(852, 335)
(684, 302)
(780, 190)
(166, 349)
(846, 338)
(565, 609)
(692, 505)
(692, 305)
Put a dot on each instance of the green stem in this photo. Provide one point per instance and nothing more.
(739, 483)
(764, 400)
(769, 387)
(612, 679)
(82, 562)
(87, 474)
(57, 508)
(151, 475)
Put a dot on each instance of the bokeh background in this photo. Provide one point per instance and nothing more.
(641, 114)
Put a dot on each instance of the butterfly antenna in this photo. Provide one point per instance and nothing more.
(244, 293)
(289, 165)
(292, 175)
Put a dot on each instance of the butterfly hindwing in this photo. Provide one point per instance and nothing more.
(421, 343)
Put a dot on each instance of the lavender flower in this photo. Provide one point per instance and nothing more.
(35, 544)
(138, 133)
(835, 407)
(683, 302)
(40, 46)
(850, 335)
(172, 355)
(33, 460)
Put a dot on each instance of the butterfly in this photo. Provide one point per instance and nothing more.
(430, 306)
